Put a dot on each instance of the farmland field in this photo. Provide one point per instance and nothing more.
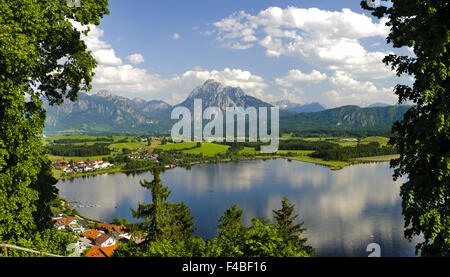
(208, 149)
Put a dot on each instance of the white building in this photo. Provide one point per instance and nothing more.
(104, 241)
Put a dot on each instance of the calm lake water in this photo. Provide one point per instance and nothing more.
(343, 210)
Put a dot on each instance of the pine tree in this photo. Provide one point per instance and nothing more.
(230, 223)
(162, 219)
(291, 232)
(184, 220)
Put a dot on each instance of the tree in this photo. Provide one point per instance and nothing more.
(264, 239)
(229, 234)
(423, 136)
(261, 239)
(162, 219)
(184, 220)
(42, 57)
(117, 221)
(290, 232)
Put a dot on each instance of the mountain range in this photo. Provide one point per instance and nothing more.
(107, 113)
(299, 108)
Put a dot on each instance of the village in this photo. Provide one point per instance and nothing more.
(66, 166)
(81, 166)
(94, 240)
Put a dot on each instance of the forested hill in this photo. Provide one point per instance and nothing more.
(343, 119)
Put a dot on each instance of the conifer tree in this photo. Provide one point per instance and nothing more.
(162, 219)
(291, 232)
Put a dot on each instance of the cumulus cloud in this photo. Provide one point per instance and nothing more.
(326, 39)
(176, 36)
(107, 56)
(348, 90)
(131, 82)
(135, 59)
(295, 76)
(125, 79)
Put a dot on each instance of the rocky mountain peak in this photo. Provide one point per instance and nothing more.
(104, 93)
(214, 94)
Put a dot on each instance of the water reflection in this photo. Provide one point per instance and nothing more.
(343, 210)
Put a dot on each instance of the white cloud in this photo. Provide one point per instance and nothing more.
(101, 51)
(296, 75)
(135, 59)
(129, 81)
(325, 39)
(107, 56)
(176, 36)
(132, 82)
(348, 90)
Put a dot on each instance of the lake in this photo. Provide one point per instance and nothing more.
(343, 210)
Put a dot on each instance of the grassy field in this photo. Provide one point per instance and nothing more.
(132, 145)
(208, 149)
(296, 152)
(385, 158)
(381, 140)
(77, 159)
(115, 146)
(47, 140)
(340, 141)
(176, 146)
(248, 151)
(333, 164)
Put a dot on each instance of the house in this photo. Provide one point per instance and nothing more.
(105, 165)
(114, 230)
(75, 227)
(66, 169)
(56, 216)
(117, 231)
(146, 149)
(60, 224)
(92, 234)
(88, 168)
(104, 241)
(65, 222)
(101, 252)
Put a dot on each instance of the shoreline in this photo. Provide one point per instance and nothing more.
(333, 165)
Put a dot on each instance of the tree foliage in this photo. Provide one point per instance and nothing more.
(291, 232)
(41, 56)
(423, 136)
(162, 219)
(261, 239)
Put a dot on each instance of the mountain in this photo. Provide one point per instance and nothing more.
(213, 94)
(346, 118)
(294, 107)
(106, 112)
(378, 105)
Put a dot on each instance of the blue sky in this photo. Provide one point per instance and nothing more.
(303, 51)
